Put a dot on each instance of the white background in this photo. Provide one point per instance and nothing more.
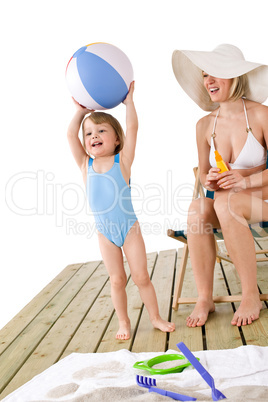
(44, 221)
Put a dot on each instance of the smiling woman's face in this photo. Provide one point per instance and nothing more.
(217, 88)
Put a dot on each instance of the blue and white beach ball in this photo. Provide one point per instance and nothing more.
(99, 75)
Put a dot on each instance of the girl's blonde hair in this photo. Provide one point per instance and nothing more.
(102, 117)
(239, 87)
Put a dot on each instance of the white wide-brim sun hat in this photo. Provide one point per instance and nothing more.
(225, 61)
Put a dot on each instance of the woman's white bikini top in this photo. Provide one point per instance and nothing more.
(253, 154)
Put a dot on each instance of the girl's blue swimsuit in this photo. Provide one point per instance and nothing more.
(110, 201)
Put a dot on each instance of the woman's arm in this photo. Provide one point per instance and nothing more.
(128, 151)
(241, 180)
(257, 180)
(207, 173)
(77, 149)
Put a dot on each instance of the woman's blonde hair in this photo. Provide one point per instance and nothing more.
(239, 87)
(102, 117)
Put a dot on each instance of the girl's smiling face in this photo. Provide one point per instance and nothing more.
(217, 88)
(100, 139)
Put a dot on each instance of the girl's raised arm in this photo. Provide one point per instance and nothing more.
(128, 152)
(77, 149)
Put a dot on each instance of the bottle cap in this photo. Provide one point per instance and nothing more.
(217, 156)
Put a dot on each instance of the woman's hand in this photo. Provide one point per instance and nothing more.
(232, 179)
(211, 179)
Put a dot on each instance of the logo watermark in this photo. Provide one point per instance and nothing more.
(39, 194)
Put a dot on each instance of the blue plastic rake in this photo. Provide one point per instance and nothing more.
(216, 394)
(150, 383)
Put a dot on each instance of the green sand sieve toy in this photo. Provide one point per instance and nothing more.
(148, 364)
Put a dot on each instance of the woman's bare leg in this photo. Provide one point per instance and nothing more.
(234, 210)
(201, 242)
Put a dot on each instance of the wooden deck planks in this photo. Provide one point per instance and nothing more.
(29, 312)
(254, 334)
(74, 313)
(55, 341)
(219, 333)
(24, 346)
(87, 337)
(192, 337)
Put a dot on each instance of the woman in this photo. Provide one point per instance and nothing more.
(223, 82)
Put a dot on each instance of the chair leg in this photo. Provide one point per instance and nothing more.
(218, 258)
(180, 277)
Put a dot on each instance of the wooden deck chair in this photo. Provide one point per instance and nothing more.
(258, 230)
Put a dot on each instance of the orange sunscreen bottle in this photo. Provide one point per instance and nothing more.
(220, 163)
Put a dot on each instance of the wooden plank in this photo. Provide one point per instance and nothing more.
(253, 333)
(18, 352)
(171, 233)
(220, 333)
(54, 343)
(262, 276)
(180, 273)
(256, 333)
(12, 329)
(219, 299)
(90, 332)
(260, 327)
(147, 338)
(109, 343)
(192, 337)
(262, 243)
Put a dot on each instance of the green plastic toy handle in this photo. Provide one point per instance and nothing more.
(149, 364)
(141, 365)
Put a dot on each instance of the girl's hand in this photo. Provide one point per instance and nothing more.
(81, 108)
(232, 179)
(211, 179)
(129, 97)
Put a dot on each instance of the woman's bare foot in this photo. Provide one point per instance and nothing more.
(200, 313)
(164, 326)
(248, 311)
(124, 331)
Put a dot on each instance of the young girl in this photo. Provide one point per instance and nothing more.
(107, 178)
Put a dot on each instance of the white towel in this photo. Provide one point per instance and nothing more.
(240, 374)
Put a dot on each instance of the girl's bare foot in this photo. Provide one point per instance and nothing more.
(163, 325)
(200, 313)
(124, 330)
(248, 311)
